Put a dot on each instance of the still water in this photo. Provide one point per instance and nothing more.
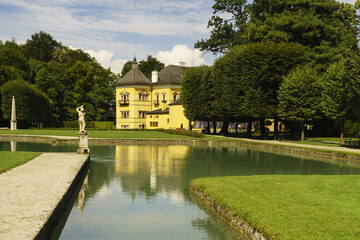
(141, 192)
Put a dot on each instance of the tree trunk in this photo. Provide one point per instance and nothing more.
(302, 132)
(276, 129)
(207, 129)
(225, 129)
(249, 129)
(214, 122)
(262, 129)
(342, 133)
(236, 128)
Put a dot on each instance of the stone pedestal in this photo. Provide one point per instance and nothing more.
(13, 125)
(83, 143)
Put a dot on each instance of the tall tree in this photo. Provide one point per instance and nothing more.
(248, 78)
(41, 46)
(325, 27)
(149, 65)
(341, 92)
(145, 66)
(300, 97)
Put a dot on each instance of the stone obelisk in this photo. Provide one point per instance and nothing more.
(13, 125)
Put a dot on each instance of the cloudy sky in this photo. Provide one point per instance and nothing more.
(113, 31)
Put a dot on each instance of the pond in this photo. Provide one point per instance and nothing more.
(141, 191)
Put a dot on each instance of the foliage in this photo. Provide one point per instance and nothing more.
(70, 78)
(248, 77)
(300, 95)
(41, 46)
(89, 125)
(149, 65)
(145, 66)
(31, 103)
(183, 132)
(351, 128)
(326, 28)
(196, 93)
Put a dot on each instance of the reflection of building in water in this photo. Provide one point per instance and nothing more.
(81, 196)
(150, 168)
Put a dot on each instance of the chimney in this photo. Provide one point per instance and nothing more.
(154, 76)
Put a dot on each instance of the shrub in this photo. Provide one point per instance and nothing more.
(183, 132)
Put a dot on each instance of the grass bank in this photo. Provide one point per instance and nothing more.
(107, 134)
(9, 160)
(290, 207)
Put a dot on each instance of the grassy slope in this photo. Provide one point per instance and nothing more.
(292, 207)
(9, 160)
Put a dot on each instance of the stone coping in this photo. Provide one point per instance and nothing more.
(34, 194)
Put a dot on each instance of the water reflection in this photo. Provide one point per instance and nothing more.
(151, 170)
(142, 191)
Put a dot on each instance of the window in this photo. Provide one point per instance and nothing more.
(153, 124)
(124, 97)
(157, 98)
(142, 114)
(124, 126)
(168, 120)
(175, 96)
(163, 97)
(143, 96)
(125, 114)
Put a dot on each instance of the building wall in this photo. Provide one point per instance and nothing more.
(133, 106)
(177, 117)
(169, 94)
(161, 120)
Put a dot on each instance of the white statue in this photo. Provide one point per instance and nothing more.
(81, 120)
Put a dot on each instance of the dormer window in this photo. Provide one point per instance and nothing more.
(143, 96)
(124, 98)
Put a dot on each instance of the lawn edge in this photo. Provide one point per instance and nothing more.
(239, 224)
(327, 155)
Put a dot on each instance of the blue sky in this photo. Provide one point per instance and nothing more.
(114, 31)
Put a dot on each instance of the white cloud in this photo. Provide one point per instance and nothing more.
(105, 58)
(181, 53)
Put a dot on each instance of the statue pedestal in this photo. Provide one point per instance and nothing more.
(83, 143)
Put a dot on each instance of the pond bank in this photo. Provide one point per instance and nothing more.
(334, 154)
(34, 195)
(284, 206)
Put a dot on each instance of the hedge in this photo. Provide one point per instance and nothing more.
(90, 124)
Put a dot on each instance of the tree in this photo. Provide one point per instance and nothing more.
(248, 78)
(326, 28)
(300, 97)
(341, 92)
(91, 88)
(145, 66)
(149, 65)
(13, 63)
(41, 46)
(32, 105)
(126, 68)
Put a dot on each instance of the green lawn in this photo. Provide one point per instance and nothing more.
(291, 207)
(9, 160)
(107, 134)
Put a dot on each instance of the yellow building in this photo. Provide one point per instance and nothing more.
(142, 103)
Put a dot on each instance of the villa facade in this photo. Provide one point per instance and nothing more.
(142, 103)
